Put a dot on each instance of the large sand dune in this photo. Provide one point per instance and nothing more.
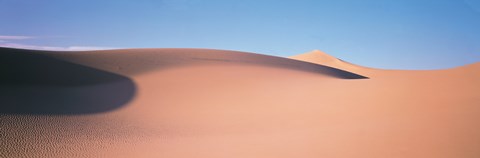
(214, 103)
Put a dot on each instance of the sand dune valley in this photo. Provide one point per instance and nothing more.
(202, 103)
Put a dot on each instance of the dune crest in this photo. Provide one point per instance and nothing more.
(136, 61)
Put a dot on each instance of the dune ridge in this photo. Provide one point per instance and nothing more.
(158, 58)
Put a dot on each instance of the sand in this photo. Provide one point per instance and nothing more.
(215, 103)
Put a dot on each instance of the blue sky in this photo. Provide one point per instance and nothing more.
(392, 34)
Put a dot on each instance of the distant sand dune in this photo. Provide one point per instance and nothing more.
(216, 103)
(323, 58)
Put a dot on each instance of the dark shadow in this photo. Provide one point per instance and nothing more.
(32, 82)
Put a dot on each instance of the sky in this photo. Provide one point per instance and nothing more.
(388, 34)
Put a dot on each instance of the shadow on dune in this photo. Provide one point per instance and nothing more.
(292, 65)
(33, 83)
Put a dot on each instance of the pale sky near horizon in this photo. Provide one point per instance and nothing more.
(391, 34)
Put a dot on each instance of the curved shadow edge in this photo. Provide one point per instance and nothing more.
(35, 84)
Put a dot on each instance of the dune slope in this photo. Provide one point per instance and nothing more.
(214, 103)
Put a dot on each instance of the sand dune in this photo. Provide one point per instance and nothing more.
(215, 103)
